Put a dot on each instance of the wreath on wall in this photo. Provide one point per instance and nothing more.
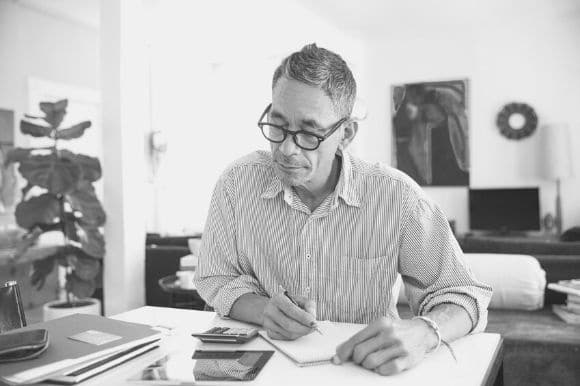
(517, 120)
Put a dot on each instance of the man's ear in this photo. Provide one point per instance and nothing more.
(348, 134)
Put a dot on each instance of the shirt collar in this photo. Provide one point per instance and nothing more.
(347, 187)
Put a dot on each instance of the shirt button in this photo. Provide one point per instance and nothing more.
(308, 255)
(307, 289)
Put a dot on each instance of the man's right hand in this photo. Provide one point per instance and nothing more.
(284, 320)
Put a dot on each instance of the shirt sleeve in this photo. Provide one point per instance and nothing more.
(220, 278)
(433, 268)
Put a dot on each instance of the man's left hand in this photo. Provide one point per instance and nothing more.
(388, 346)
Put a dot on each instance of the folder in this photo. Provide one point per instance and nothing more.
(315, 349)
(65, 353)
(99, 365)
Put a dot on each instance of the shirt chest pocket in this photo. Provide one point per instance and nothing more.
(357, 286)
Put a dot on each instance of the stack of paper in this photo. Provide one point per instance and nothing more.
(571, 311)
(315, 348)
(75, 341)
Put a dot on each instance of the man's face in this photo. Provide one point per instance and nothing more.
(298, 106)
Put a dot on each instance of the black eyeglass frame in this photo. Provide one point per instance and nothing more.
(287, 132)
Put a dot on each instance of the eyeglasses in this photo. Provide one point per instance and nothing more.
(303, 139)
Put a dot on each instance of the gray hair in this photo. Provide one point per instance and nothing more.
(321, 68)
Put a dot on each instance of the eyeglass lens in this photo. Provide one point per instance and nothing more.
(276, 134)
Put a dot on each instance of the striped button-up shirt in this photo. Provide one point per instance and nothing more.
(345, 255)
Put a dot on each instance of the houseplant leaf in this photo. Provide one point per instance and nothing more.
(90, 166)
(85, 268)
(58, 175)
(85, 201)
(18, 154)
(72, 132)
(41, 269)
(92, 241)
(26, 242)
(79, 287)
(34, 129)
(54, 112)
(43, 209)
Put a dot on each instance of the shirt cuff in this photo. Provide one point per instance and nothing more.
(476, 311)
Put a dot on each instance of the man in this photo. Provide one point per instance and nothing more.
(333, 231)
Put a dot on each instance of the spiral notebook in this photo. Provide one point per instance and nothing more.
(315, 349)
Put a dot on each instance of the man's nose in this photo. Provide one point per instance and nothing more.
(289, 147)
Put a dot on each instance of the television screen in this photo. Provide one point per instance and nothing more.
(504, 210)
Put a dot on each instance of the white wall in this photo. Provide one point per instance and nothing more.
(530, 55)
(36, 44)
(212, 64)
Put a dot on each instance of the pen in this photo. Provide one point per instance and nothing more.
(313, 325)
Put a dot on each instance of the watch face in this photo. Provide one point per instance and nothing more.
(517, 120)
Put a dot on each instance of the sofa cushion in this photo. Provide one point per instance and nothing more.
(518, 281)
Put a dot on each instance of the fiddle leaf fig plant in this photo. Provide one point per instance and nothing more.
(59, 196)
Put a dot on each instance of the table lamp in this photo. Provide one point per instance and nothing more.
(557, 162)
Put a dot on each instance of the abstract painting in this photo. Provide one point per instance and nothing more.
(431, 132)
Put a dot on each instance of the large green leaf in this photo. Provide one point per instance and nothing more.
(34, 129)
(85, 268)
(43, 209)
(41, 269)
(58, 175)
(72, 132)
(26, 242)
(79, 287)
(92, 241)
(54, 112)
(17, 154)
(84, 200)
(90, 166)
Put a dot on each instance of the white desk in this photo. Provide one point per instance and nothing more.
(479, 358)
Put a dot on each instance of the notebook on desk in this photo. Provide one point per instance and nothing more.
(315, 349)
(76, 339)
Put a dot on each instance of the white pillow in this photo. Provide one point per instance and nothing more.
(518, 281)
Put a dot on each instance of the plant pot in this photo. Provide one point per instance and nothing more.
(58, 308)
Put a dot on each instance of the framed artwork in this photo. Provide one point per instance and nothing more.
(431, 132)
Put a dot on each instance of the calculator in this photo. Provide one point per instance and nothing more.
(227, 335)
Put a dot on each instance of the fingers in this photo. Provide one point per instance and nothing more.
(290, 325)
(307, 305)
(345, 351)
(380, 358)
(295, 312)
(369, 346)
(285, 320)
(392, 367)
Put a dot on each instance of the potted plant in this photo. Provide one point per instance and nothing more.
(59, 196)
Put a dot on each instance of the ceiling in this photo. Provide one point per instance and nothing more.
(370, 18)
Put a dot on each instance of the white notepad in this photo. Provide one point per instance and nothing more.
(315, 349)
